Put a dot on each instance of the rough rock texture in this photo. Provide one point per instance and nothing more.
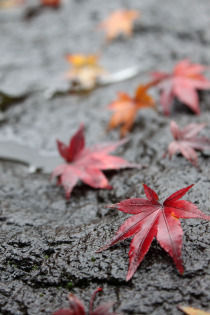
(47, 244)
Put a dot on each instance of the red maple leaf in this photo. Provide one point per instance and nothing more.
(182, 83)
(87, 164)
(50, 3)
(77, 307)
(153, 219)
(186, 141)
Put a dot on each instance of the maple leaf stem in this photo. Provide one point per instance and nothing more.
(93, 298)
(112, 206)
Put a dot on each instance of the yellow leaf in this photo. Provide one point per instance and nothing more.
(80, 60)
(85, 70)
(192, 311)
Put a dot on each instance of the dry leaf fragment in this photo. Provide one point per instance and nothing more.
(186, 141)
(85, 70)
(119, 22)
(182, 83)
(125, 108)
(154, 219)
(87, 164)
(192, 311)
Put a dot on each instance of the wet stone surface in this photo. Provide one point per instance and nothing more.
(48, 244)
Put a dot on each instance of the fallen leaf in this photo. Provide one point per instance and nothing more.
(153, 219)
(119, 22)
(125, 109)
(186, 141)
(85, 70)
(192, 311)
(77, 307)
(34, 10)
(51, 3)
(7, 4)
(183, 84)
(87, 164)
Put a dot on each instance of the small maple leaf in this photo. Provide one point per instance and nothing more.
(183, 83)
(77, 308)
(7, 4)
(125, 108)
(186, 141)
(192, 311)
(152, 219)
(119, 22)
(51, 3)
(87, 164)
(85, 70)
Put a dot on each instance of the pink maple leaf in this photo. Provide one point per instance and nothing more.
(87, 164)
(182, 83)
(186, 141)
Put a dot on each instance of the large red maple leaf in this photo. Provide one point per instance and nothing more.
(77, 308)
(87, 164)
(153, 219)
(182, 83)
(186, 141)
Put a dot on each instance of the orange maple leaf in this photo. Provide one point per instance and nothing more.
(119, 22)
(85, 69)
(50, 3)
(125, 108)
